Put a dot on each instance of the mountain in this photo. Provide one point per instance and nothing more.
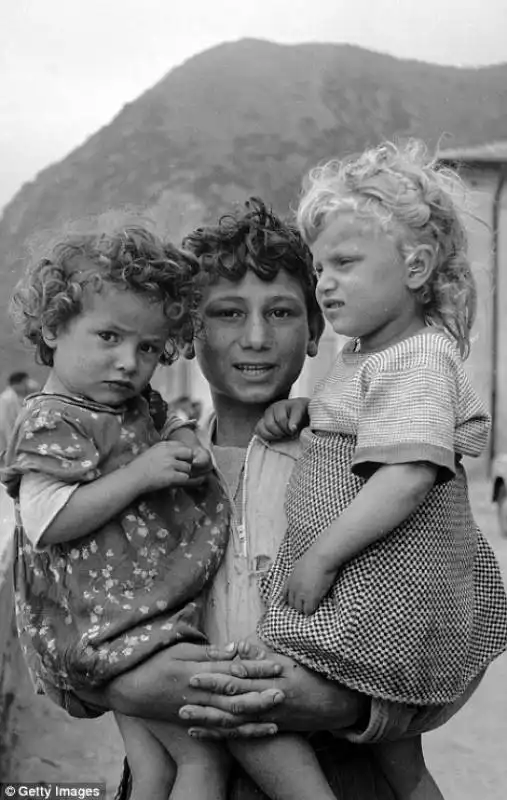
(244, 118)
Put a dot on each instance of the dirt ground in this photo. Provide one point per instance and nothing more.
(466, 756)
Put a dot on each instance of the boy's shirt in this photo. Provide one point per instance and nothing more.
(234, 605)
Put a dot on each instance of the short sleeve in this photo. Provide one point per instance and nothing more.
(41, 498)
(53, 442)
(409, 410)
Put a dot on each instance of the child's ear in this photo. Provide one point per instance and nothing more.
(189, 351)
(419, 266)
(316, 329)
(312, 348)
(49, 337)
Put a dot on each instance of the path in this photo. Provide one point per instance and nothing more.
(467, 756)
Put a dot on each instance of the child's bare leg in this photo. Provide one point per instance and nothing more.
(404, 768)
(285, 767)
(153, 771)
(202, 767)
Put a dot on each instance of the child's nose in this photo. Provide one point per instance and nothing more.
(126, 358)
(326, 281)
(255, 334)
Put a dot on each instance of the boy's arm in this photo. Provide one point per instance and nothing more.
(385, 501)
(159, 687)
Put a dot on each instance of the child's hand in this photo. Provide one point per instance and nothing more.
(284, 418)
(164, 464)
(201, 464)
(310, 581)
(201, 457)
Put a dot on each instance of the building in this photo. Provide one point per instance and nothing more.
(484, 171)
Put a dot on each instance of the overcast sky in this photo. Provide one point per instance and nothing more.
(68, 66)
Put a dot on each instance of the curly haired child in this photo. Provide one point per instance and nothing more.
(384, 582)
(120, 529)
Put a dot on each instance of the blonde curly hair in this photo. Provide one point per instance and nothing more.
(409, 194)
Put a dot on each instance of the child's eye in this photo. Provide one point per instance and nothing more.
(229, 313)
(343, 262)
(281, 313)
(150, 348)
(108, 336)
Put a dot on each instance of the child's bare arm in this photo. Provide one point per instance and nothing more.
(95, 503)
(384, 502)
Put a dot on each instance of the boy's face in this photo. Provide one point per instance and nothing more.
(255, 337)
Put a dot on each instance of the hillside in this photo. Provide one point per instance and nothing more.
(242, 118)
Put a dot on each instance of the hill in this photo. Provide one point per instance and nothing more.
(244, 118)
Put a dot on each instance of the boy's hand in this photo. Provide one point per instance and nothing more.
(310, 581)
(164, 464)
(284, 418)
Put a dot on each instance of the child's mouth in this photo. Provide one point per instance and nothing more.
(254, 369)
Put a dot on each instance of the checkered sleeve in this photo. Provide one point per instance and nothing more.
(409, 408)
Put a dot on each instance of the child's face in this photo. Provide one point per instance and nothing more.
(109, 352)
(255, 337)
(361, 281)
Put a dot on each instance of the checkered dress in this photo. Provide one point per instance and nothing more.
(417, 615)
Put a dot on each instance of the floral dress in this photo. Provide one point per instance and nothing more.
(417, 615)
(97, 606)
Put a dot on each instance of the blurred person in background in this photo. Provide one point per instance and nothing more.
(19, 385)
(11, 401)
(183, 407)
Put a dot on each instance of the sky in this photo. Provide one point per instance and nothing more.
(68, 66)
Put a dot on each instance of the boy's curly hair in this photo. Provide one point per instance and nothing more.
(52, 290)
(411, 195)
(255, 239)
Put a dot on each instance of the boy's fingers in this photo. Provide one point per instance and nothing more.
(227, 705)
(228, 683)
(250, 730)
(226, 653)
(250, 650)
